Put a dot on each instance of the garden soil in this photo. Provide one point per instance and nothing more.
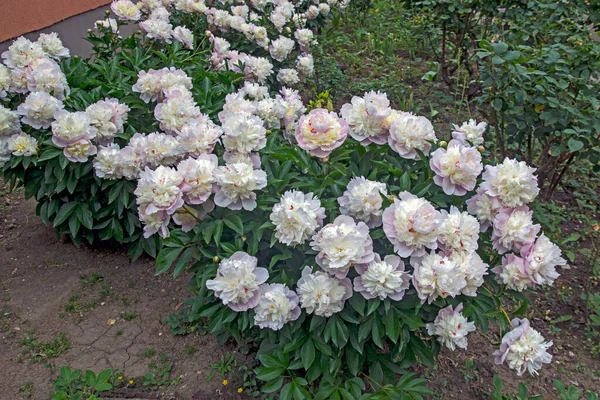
(111, 309)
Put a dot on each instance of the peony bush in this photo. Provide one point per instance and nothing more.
(340, 246)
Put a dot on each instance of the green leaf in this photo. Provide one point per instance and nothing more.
(272, 386)
(307, 354)
(575, 145)
(234, 222)
(166, 257)
(64, 212)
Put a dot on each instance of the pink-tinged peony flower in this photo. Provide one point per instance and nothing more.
(22, 145)
(473, 268)
(148, 85)
(106, 163)
(238, 281)
(198, 177)
(368, 118)
(485, 208)
(160, 190)
(236, 186)
(513, 229)
(53, 46)
(233, 157)
(184, 36)
(297, 217)
(456, 168)
(362, 200)
(436, 276)
(158, 29)
(341, 245)
(382, 279)
(175, 112)
(188, 218)
(512, 181)
(320, 132)
(70, 127)
(513, 273)
(523, 348)
(155, 222)
(409, 133)
(277, 306)
(108, 117)
(459, 231)
(5, 80)
(469, 132)
(80, 150)
(322, 294)
(541, 259)
(22, 52)
(451, 327)
(411, 224)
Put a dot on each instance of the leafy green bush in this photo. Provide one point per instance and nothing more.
(75, 385)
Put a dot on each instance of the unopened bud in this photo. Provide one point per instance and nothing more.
(216, 259)
(208, 33)
(324, 159)
(107, 13)
(243, 238)
(443, 144)
(481, 149)
(392, 197)
(268, 132)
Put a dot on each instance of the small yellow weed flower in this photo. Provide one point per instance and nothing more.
(120, 378)
(225, 382)
(240, 390)
(131, 381)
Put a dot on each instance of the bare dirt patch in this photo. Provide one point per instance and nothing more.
(109, 308)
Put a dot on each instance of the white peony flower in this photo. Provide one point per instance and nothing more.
(22, 52)
(108, 117)
(236, 185)
(513, 273)
(523, 348)
(198, 177)
(236, 104)
(412, 225)
(281, 48)
(277, 306)
(451, 327)
(238, 281)
(305, 38)
(288, 76)
(53, 46)
(469, 132)
(184, 36)
(485, 208)
(513, 229)
(148, 85)
(260, 68)
(46, 75)
(341, 245)
(106, 162)
(9, 122)
(297, 217)
(322, 294)
(368, 118)
(158, 29)
(160, 190)
(409, 133)
(5, 80)
(80, 150)
(255, 91)
(244, 133)
(305, 65)
(126, 10)
(473, 268)
(436, 276)
(459, 232)
(22, 145)
(382, 279)
(175, 112)
(199, 136)
(70, 127)
(109, 24)
(362, 200)
(271, 111)
(151, 150)
(512, 181)
(38, 110)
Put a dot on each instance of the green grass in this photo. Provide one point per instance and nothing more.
(149, 352)
(42, 351)
(26, 389)
(129, 315)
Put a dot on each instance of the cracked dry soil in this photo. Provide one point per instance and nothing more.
(110, 308)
